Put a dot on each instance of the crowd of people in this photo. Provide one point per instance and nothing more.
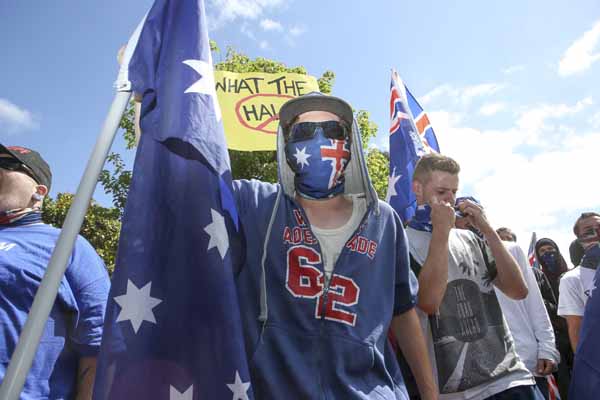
(359, 306)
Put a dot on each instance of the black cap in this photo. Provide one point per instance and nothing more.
(314, 101)
(576, 252)
(33, 160)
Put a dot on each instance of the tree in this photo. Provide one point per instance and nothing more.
(378, 163)
(101, 225)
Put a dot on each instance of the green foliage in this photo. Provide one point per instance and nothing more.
(101, 225)
(116, 182)
(326, 82)
(368, 128)
(239, 62)
(378, 164)
(261, 165)
(117, 179)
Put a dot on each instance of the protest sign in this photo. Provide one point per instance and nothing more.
(250, 104)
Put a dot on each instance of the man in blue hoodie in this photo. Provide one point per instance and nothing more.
(323, 270)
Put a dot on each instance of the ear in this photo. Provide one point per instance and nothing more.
(42, 190)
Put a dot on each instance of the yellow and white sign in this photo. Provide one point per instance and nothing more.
(250, 104)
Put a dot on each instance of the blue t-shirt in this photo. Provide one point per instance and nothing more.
(74, 327)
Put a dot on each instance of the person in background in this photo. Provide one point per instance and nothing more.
(585, 384)
(506, 234)
(64, 366)
(552, 266)
(528, 320)
(576, 284)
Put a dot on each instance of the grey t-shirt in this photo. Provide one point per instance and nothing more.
(474, 353)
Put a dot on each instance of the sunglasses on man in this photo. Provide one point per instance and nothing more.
(12, 164)
(307, 130)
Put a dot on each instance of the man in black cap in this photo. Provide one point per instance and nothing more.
(65, 362)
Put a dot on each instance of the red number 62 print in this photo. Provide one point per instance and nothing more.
(305, 280)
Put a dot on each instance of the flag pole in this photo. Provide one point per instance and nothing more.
(43, 302)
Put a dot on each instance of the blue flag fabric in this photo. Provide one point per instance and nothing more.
(411, 136)
(585, 381)
(173, 328)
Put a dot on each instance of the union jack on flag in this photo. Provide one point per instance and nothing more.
(338, 153)
(531, 254)
(553, 393)
(411, 136)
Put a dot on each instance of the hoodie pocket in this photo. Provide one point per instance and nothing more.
(284, 365)
(357, 370)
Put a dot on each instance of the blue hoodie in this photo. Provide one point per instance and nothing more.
(307, 338)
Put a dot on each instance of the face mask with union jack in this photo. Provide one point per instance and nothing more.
(318, 164)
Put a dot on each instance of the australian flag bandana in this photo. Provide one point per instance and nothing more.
(318, 164)
(421, 221)
(20, 216)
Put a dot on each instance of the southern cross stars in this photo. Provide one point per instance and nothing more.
(136, 305)
(239, 388)
(392, 185)
(218, 233)
(206, 83)
(301, 157)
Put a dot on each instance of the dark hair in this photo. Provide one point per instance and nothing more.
(582, 217)
(507, 230)
(434, 162)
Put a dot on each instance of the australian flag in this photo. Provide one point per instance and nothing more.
(172, 328)
(411, 136)
(531, 252)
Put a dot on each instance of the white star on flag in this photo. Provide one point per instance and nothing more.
(136, 305)
(206, 83)
(392, 185)
(301, 157)
(218, 233)
(187, 395)
(239, 388)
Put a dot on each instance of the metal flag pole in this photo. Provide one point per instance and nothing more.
(43, 302)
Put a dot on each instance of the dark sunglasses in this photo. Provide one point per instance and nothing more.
(12, 164)
(306, 130)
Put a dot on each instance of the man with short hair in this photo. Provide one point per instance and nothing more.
(576, 284)
(65, 362)
(323, 268)
(474, 352)
(506, 234)
(528, 320)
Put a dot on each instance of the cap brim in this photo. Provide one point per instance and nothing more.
(5, 150)
(314, 102)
